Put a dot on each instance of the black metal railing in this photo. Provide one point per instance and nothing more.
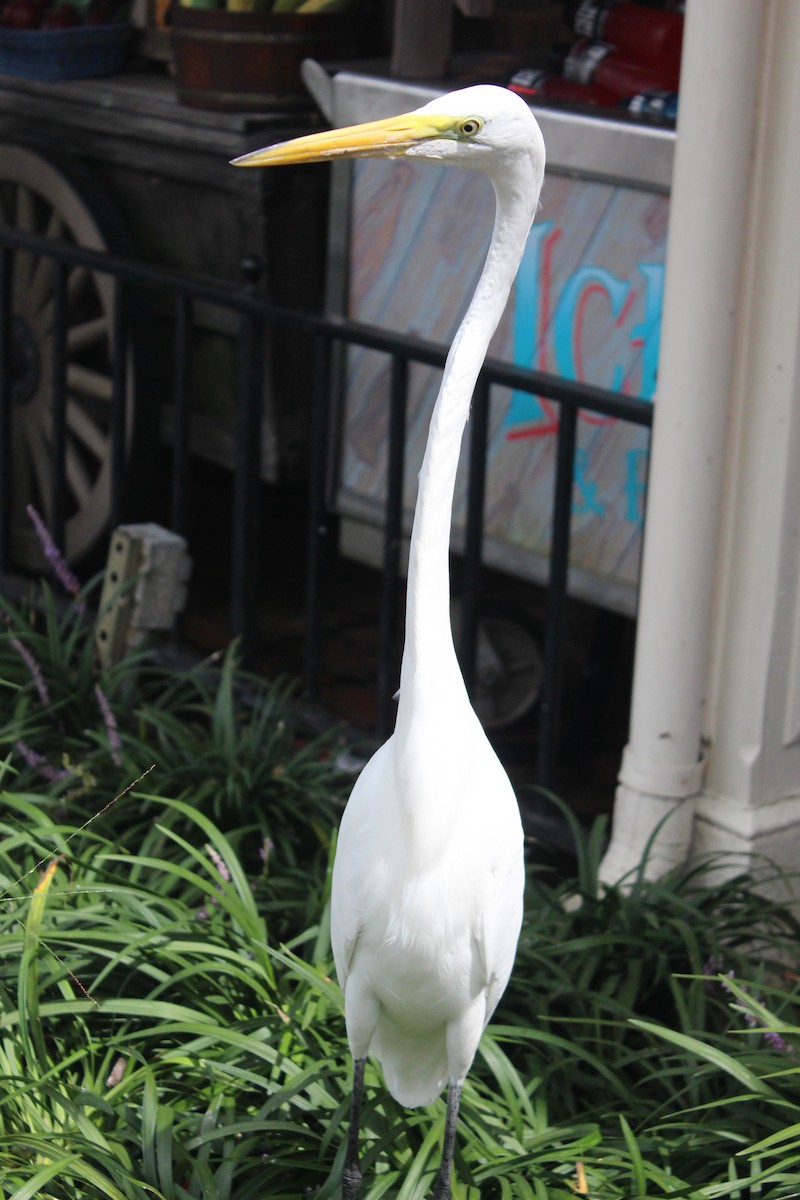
(255, 314)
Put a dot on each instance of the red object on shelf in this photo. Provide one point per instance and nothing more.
(530, 83)
(21, 14)
(607, 66)
(650, 35)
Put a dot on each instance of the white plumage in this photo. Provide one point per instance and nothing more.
(427, 903)
(429, 871)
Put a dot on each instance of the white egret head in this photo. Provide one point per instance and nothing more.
(481, 127)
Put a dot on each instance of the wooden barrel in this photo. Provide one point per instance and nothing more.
(251, 61)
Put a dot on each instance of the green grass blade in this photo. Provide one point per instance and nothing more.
(637, 1164)
(718, 1058)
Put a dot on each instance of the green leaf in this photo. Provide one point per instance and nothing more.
(718, 1058)
(50, 1171)
(779, 1138)
(637, 1163)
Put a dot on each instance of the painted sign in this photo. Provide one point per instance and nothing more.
(586, 305)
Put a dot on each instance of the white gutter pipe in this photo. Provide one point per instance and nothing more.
(662, 767)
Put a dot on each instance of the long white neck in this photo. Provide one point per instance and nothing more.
(430, 670)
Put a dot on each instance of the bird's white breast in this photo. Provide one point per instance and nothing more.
(423, 863)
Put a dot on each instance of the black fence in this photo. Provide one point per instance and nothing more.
(254, 314)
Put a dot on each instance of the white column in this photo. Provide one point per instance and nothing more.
(662, 768)
(751, 800)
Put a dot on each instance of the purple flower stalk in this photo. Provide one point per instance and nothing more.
(777, 1042)
(219, 863)
(110, 722)
(34, 668)
(61, 569)
(40, 764)
(714, 966)
(116, 1072)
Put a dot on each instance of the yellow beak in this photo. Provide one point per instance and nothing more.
(375, 139)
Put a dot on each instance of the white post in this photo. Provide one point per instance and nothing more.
(662, 768)
(751, 799)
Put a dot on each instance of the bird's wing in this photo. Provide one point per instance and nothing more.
(345, 924)
(500, 915)
(497, 936)
(355, 855)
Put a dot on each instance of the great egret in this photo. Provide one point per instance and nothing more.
(429, 873)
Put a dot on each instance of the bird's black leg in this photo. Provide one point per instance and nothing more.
(351, 1175)
(442, 1189)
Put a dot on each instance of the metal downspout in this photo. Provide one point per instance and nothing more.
(662, 767)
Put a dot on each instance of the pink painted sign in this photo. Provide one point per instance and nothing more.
(586, 305)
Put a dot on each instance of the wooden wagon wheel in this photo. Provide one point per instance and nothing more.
(39, 197)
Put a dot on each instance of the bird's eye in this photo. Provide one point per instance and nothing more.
(470, 126)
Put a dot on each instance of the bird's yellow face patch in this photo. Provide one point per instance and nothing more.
(374, 139)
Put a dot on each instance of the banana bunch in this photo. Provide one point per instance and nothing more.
(311, 6)
(274, 6)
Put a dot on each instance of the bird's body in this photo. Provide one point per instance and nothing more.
(428, 877)
(427, 903)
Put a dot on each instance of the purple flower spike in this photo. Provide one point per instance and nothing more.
(112, 729)
(778, 1043)
(40, 764)
(116, 1072)
(61, 569)
(219, 863)
(714, 966)
(34, 668)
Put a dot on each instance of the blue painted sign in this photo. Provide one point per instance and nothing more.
(586, 305)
